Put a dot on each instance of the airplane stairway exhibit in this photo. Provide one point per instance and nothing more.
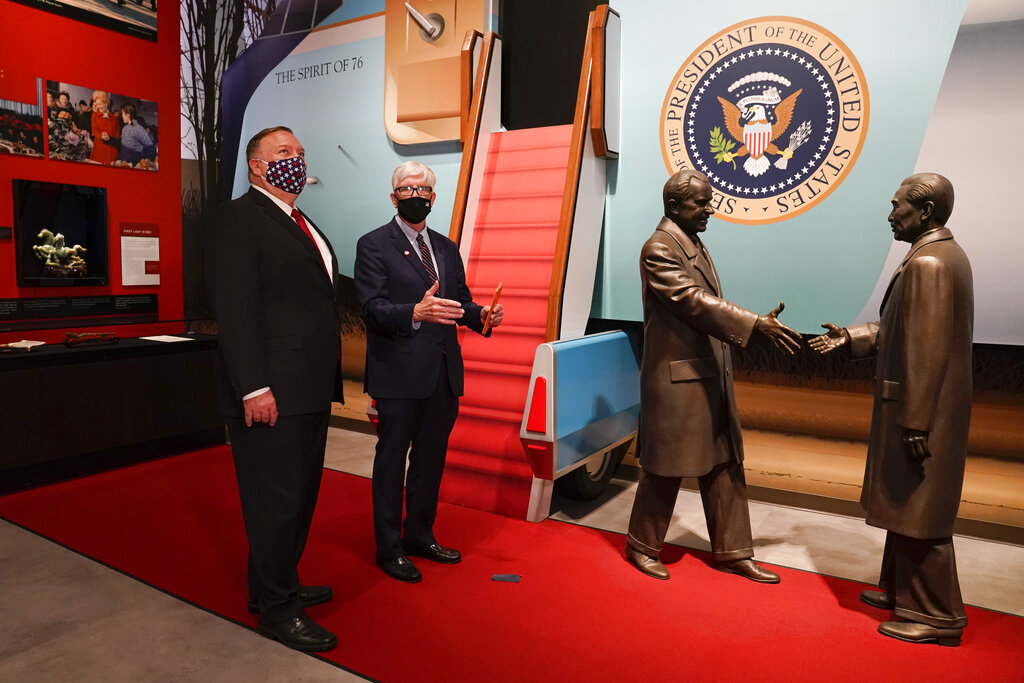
(528, 214)
(514, 243)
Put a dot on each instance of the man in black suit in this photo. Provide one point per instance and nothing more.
(83, 117)
(270, 276)
(411, 286)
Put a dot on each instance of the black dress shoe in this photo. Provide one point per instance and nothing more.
(435, 552)
(308, 596)
(298, 633)
(400, 568)
(748, 569)
(913, 632)
(879, 599)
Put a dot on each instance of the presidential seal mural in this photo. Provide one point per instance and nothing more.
(773, 111)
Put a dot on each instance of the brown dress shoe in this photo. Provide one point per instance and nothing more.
(651, 566)
(748, 569)
(913, 632)
(879, 599)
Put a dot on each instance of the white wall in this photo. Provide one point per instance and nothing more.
(974, 139)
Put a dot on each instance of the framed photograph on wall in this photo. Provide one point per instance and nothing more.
(21, 128)
(133, 17)
(101, 127)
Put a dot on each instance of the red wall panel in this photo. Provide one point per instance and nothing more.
(34, 43)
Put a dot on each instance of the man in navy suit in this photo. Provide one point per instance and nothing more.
(270, 276)
(411, 286)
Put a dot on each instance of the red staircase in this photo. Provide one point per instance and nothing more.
(513, 241)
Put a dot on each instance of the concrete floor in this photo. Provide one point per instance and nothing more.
(67, 618)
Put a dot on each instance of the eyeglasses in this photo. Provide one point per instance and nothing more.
(406, 192)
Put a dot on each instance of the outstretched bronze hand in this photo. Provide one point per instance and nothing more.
(779, 335)
(831, 340)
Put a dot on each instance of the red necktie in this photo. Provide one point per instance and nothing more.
(297, 215)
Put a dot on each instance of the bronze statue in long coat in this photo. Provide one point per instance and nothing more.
(923, 383)
(688, 420)
(922, 411)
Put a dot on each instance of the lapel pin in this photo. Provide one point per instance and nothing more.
(406, 253)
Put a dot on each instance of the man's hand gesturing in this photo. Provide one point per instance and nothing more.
(496, 317)
(433, 309)
(779, 335)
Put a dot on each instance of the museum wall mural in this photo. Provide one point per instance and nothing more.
(927, 97)
(847, 98)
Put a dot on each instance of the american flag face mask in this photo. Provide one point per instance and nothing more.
(288, 175)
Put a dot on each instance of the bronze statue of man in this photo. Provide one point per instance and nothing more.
(689, 426)
(922, 411)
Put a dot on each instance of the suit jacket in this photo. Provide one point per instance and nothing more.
(688, 417)
(924, 382)
(402, 362)
(276, 308)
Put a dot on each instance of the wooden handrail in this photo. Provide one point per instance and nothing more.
(572, 179)
(466, 78)
(597, 75)
(470, 137)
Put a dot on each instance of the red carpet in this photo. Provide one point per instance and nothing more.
(581, 613)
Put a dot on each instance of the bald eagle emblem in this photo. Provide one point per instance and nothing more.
(758, 118)
(775, 127)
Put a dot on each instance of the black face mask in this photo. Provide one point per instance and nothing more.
(414, 209)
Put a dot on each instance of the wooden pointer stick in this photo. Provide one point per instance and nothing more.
(494, 302)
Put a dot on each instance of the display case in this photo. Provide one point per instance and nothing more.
(66, 411)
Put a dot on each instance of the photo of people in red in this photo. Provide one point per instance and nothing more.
(21, 128)
(100, 127)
